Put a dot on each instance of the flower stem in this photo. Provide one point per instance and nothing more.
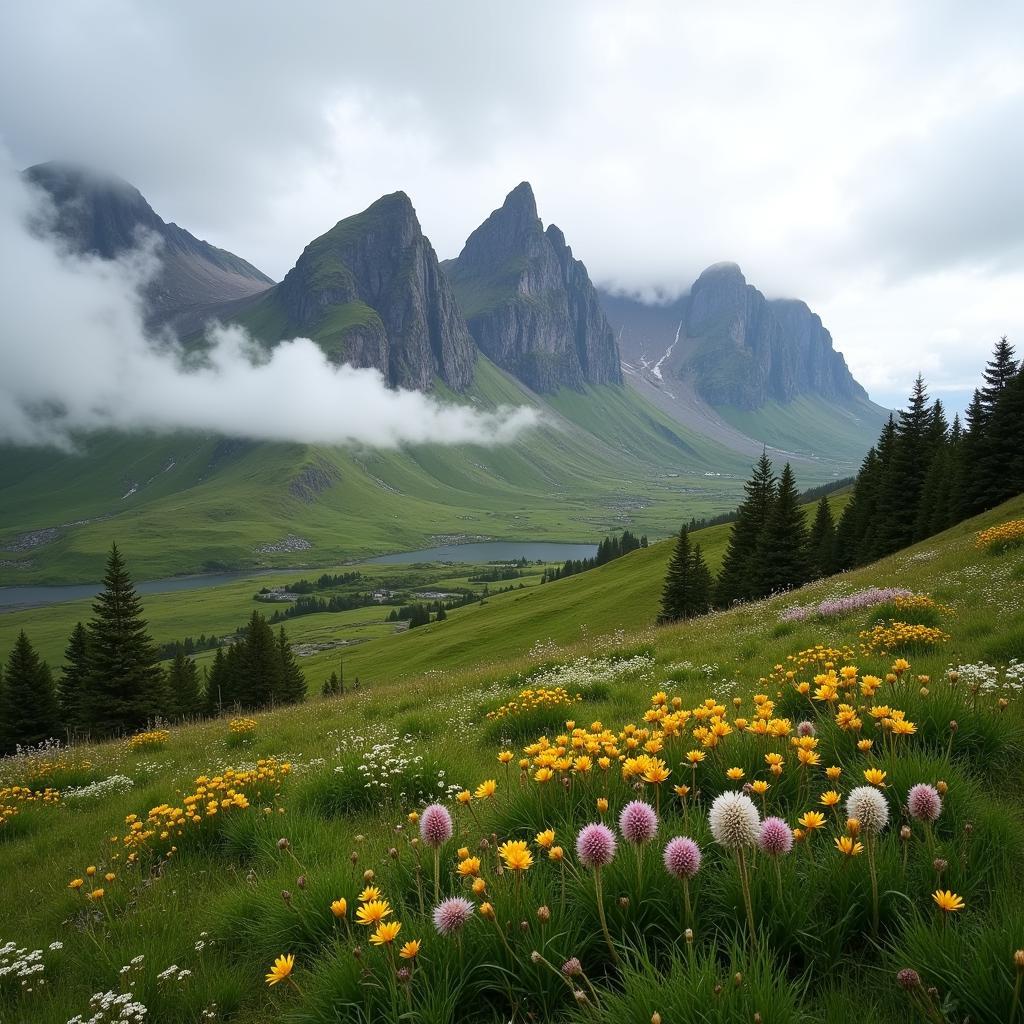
(874, 885)
(1016, 996)
(600, 914)
(688, 919)
(745, 881)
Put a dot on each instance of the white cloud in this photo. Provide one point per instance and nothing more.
(76, 356)
(828, 149)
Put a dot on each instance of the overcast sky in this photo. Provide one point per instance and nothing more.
(864, 157)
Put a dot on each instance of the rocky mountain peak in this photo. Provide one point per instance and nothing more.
(370, 291)
(531, 306)
(511, 231)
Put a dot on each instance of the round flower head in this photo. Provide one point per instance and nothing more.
(924, 802)
(595, 846)
(638, 822)
(572, 968)
(682, 857)
(734, 820)
(775, 837)
(806, 729)
(452, 914)
(868, 806)
(435, 825)
(908, 979)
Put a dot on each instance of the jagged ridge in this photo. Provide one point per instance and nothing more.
(530, 305)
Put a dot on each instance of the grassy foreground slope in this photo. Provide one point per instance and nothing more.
(216, 907)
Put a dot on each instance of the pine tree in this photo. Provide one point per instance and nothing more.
(821, 541)
(183, 681)
(882, 489)
(984, 452)
(702, 583)
(218, 689)
(853, 523)
(688, 582)
(782, 546)
(331, 685)
(72, 688)
(125, 685)
(441, 614)
(293, 682)
(28, 700)
(1004, 476)
(931, 502)
(737, 580)
(256, 670)
(904, 478)
(675, 594)
(998, 373)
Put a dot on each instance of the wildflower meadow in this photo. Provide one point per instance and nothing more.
(750, 816)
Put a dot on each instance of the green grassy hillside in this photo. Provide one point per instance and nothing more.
(599, 461)
(231, 898)
(622, 595)
(812, 426)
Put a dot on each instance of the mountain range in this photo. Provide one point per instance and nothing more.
(651, 413)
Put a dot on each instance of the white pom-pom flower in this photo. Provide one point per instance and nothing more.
(734, 820)
(869, 807)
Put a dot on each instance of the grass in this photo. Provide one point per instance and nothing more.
(812, 426)
(216, 907)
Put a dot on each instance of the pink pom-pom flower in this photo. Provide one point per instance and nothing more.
(452, 914)
(638, 822)
(682, 857)
(435, 825)
(775, 837)
(924, 802)
(595, 846)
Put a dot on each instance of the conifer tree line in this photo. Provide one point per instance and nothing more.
(112, 683)
(924, 475)
(608, 550)
(770, 548)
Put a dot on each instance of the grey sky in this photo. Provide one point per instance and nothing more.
(863, 157)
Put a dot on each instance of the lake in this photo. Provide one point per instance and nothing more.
(29, 597)
(492, 551)
(489, 551)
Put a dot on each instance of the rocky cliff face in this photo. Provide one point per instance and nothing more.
(102, 215)
(370, 291)
(530, 305)
(735, 346)
(749, 349)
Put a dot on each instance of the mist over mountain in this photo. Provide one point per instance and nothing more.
(99, 214)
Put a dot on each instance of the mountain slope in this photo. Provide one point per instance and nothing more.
(101, 215)
(530, 304)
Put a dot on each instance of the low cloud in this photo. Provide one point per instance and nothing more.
(76, 356)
